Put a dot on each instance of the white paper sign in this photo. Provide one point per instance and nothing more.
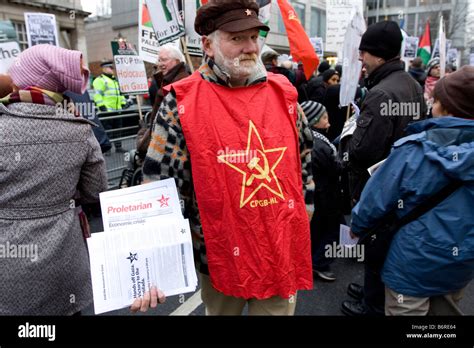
(317, 43)
(131, 74)
(193, 39)
(345, 237)
(410, 47)
(351, 65)
(339, 15)
(147, 43)
(166, 19)
(41, 29)
(9, 51)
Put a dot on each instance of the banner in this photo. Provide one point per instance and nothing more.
(300, 47)
(339, 15)
(410, 47)
(452, 57)
(41, 29)
(9, 51)
(193, 39)
(318, 45)
(147, 42)
(351, 65)
(442, 48)
(9, 48)
(436, 48)
(131, 73)
(264, 17)
(166, 19)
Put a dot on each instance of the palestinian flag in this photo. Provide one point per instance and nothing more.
(264, 16)
(146, 20)
(424, 50)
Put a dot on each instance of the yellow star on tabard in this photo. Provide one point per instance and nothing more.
(257, 170)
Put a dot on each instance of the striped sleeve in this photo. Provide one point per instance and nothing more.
(306, 145)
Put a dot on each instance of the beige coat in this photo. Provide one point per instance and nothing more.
(46, 155)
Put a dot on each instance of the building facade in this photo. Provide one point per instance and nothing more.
(124, 23)
(414, 14)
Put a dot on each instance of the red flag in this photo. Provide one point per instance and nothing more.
(300, 47)
(424, 50)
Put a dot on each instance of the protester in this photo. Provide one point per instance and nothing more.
(380, 124)
(270, 61)
(327, 210)
(171, 69)
(433, 73)
(107, 97)
(306, 91)
(255, 226)
(48, 156)
(431, 259)
(417, 72)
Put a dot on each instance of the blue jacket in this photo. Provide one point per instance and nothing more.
(434, 254)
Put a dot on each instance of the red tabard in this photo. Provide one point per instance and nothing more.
(246, 168)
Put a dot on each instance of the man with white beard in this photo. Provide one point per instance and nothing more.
(232, 137)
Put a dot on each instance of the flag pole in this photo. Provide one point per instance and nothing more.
(186, 53)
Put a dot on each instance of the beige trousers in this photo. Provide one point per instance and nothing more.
(398, 304)
(219, 304)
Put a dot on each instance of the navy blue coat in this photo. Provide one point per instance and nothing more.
(433, 255)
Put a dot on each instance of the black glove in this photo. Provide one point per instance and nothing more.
(103, 108)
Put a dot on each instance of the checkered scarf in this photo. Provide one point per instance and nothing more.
(36, 95)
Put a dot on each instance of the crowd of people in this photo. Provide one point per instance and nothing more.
(307, 174)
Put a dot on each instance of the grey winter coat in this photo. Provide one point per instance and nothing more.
(46, 155)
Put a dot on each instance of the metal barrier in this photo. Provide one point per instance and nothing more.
(122, 127)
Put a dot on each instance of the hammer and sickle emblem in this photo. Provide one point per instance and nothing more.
(263, 172)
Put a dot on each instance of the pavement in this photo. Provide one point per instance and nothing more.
(323, 300)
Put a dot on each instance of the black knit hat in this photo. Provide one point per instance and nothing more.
(455, 92)
(313, 111)
(382, 39)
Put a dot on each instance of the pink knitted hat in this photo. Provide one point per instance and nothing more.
(51, 68)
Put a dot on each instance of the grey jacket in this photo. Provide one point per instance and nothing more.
(46, 155)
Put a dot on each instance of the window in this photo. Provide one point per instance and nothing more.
(281, 25)
(20, 29)
(300, 10)
(372, 4)
(394, 3)
(318, 23)
(371, 20)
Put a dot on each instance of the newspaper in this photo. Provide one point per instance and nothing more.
(146, 243)
(345, 237)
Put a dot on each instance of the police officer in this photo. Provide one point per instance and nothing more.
(107, 97)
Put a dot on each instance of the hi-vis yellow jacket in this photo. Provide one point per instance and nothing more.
(107, 93)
